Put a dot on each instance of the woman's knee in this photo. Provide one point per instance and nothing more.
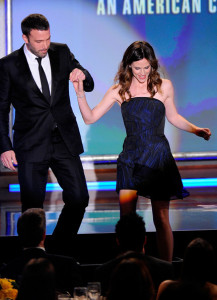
(126, 196)
(161, 222)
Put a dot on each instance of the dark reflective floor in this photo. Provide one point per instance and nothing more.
(196, 212)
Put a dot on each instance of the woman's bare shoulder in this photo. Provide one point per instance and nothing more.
(166, 84)
(212, 287)
(113, 91)
(163, 285)
(167, 89)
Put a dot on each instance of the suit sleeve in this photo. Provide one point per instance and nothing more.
(5, 142)
(88, 82)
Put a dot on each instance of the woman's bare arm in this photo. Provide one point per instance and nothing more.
(92, 115)
(176, 119)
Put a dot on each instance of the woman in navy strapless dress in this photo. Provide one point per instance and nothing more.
(145, 166)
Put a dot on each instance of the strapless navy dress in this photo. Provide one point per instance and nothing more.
(146, 163)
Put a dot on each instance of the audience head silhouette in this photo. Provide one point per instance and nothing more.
(179, 290)
(131, 280)
(38, 281)
(131, 233)
(199, 261)
(31, 227)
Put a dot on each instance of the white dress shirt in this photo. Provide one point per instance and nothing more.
(33, 65)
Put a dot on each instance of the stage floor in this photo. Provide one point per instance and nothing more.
(196, 212)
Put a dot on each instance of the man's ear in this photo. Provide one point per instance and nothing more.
(145, 242)
(25, 38)
(44, 235)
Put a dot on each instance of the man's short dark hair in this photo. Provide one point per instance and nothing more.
(131, 233)
(31, 227)
(34, 21)
(38, 280)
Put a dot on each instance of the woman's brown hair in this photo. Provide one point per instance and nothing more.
(135, 52)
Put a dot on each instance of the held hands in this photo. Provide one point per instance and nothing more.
(77, 77)
(8, 159)
(203, 132)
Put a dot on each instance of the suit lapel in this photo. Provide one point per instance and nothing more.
(54, 63)
(24, 69)
(25, 72)
(23, 66)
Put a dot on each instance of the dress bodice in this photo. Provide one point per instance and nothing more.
(143, 116)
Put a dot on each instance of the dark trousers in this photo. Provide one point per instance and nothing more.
(70, 175)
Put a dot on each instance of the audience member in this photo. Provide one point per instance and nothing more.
(131, 280)
(131, 238)
(197, 273)
(184, 290)
(31, 228)
(38, 281)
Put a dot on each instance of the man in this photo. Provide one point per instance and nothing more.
(131, 238)
(31, 228)
(38, 276)
(35, 79)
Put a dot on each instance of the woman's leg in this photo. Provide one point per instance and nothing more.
(160, 210)
(127, 200)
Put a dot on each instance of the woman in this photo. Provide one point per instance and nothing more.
(198, 273)
(145, 166)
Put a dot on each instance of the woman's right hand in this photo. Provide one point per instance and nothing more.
(77, 77)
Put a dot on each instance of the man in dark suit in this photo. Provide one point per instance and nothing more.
(31, 228)
(35, 80)
(131, 238)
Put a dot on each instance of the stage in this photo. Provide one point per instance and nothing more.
(193, 216)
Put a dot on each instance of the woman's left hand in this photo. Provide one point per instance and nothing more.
(203, 132)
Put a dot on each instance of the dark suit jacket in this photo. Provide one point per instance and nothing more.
(67, 270)
(160, 270)
(35, 116)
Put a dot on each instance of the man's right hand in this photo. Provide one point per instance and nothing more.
(8, 159)
(78, 83)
